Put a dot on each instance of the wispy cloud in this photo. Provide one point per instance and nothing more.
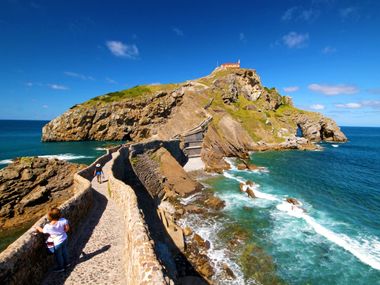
(178, 31)
(78, 75)
(295, 40)
(317, 107)
(349, 13)
(349, 106)
(328, 50)
(45, 106)
(111, 81)
(300, 14)
(58, 87)
(291, 89)
(120, 49)
(332, 90)
(375, 91)
(242, 37)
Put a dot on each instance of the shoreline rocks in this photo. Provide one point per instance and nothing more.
(30, 186)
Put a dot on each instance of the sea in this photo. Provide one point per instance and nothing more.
(23, 138)
(334, 239)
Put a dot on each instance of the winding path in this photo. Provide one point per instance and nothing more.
(97, 253)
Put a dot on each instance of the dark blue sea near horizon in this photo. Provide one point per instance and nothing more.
(23, 138)
(337, 239)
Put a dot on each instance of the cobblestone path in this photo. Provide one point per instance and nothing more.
(97, 254)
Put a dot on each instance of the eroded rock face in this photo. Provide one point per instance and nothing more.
(316, 127)
(31, 186)
(134, 119)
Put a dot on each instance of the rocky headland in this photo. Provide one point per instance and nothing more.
(245, 116)
(225, 114)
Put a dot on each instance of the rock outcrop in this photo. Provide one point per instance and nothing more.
(245, 116)
(30, 186)
(133, 119)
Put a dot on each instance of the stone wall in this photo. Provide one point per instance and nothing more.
(143, 266)
(26, 260)
(173, 146)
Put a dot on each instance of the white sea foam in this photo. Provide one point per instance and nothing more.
(258, 193)
(66, 156)
(231, 162)
(217, 253)
(191, 198)
(335, 145)
(100, 148)
(6, 161)
(366, 251)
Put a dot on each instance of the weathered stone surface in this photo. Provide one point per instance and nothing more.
(215, 203)
(120, 120)
(30, 186)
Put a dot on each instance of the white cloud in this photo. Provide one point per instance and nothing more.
(371, 103)
(289, 14)
(120, 49)
(242, 37)
(348, 12)
(111, 81)
(332, 90)
(178, 31)
(317, 107)
(291, 89)
(375, 91)
(58, 87)
(29, 84)
(300, 14)
(78, 75)
(328, 50)
(295, 40)
(349, 105)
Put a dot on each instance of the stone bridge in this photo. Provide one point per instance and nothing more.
(118, 235)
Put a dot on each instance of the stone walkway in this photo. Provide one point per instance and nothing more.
(97, 254)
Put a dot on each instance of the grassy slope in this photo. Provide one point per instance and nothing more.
(253, 121)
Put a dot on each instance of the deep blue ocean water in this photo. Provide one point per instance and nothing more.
(337, 239)
(23, 138)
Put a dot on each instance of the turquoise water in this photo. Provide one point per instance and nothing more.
(337, 239)
(23, 138)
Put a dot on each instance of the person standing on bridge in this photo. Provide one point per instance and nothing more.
(57, 229)
(98, 172)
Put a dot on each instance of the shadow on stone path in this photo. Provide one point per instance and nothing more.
(96, 253)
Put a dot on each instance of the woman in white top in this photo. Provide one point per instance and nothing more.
(57, 230)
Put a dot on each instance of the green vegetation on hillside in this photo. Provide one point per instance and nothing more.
(138, 91)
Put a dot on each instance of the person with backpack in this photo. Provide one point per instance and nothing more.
(98, 172)
(56, 230)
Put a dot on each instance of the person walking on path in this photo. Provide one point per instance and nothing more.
(57, 230)
(98, 172)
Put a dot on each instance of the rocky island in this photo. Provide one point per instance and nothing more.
(225, 114)
(243, 116)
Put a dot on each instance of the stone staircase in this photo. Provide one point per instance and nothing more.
(193, 139)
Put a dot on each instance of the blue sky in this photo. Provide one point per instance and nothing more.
(56, 53)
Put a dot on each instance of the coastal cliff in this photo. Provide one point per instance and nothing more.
(245, 116)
